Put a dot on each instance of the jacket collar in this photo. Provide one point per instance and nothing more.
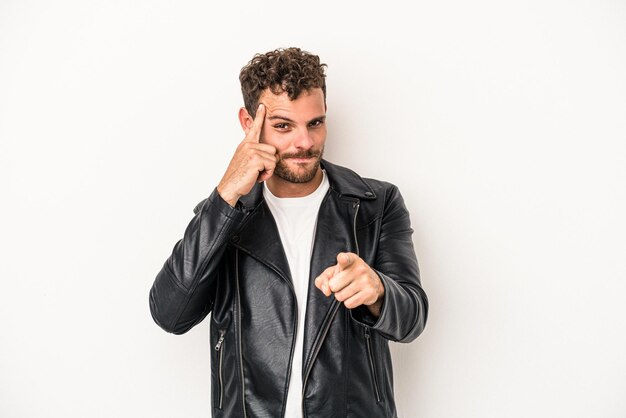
(346, 182)
(342, 180)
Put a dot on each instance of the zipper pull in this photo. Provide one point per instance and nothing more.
(220, 340)
(367, 332)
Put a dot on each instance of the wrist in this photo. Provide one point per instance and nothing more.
(380, 287)
(229, 197)
(375, 307)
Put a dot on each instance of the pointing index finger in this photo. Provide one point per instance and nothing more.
(254, 134)
(344, 260)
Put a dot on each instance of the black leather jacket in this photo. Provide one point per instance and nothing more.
(231, 262)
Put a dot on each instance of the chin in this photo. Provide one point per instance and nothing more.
(301, 174)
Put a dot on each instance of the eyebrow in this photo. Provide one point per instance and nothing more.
(323, 117)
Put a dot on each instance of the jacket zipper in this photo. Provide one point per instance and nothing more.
(356, 242)
(219, 347)
(335, 309)
(368, 343)
(243, 384)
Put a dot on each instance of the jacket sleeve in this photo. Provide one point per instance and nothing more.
(181, 294)
(404, 311)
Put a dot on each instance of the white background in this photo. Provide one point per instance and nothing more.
(503, 124)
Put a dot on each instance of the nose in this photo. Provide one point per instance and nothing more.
(303, 139)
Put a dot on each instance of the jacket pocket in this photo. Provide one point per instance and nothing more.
(372, 362)
(219, 347)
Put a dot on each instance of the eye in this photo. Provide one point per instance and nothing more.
(281, 126)
(316, 123)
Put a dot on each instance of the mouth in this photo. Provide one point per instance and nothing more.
(301, 160)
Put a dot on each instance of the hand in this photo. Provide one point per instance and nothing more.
(353, 282)
(253, 162)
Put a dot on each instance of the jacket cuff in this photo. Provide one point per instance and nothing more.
(215, 201)
(394, 322)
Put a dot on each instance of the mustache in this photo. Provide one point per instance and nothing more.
(303, 154)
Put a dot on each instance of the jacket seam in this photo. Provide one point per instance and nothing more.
(369, 223)
(194, 283)
(173, 279)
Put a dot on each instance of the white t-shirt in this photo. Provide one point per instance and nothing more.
(296, 219)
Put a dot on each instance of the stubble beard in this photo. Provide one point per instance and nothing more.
(283, 171)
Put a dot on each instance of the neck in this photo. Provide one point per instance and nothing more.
(282, 188)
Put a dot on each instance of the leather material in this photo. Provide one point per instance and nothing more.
(231, 262)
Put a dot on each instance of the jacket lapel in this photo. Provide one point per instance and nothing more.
(333, 235)
(259, 236)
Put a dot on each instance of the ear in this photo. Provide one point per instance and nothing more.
(245, 119)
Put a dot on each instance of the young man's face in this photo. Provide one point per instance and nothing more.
(297, 128)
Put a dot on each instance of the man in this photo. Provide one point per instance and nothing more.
(308, 269)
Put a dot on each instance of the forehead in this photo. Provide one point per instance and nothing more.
(309, 104)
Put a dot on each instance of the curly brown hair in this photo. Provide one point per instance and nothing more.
(290, 70)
